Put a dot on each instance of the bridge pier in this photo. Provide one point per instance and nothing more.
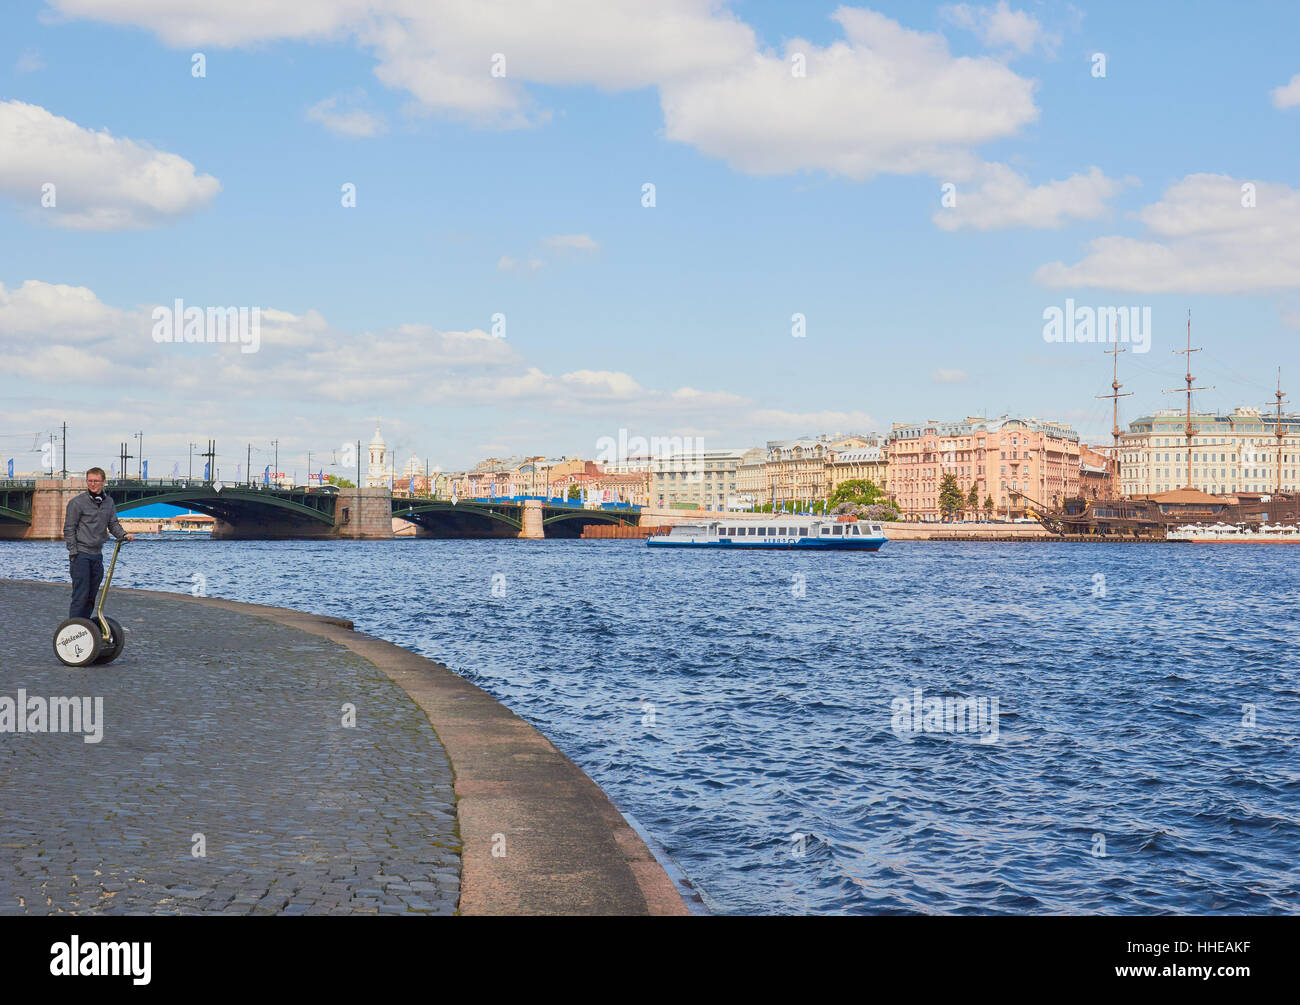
(364, 514)
(49, 506)
(532, 514)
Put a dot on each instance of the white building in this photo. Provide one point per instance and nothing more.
(701, 478)
(1236, 452)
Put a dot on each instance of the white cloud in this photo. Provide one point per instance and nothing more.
(69, 363)
(66, 336)
(1201, 239)
(1288, 95)
(1004, 198)
(325, 383)
(340, 115)
(508, 264)
(101, 182)
(183, 23)
(441, 51)
(70, 313)
(944, 376)
(882, 99)
(798, 423)
(601, 383)
(572, 242)
(1001, 28)
(29, 62)
(692, 398)
(558, 245)
(886, 99)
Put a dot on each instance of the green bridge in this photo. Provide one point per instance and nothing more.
(34, 508)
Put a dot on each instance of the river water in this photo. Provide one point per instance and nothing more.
(754, 711)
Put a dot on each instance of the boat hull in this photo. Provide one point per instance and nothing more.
(866, 544)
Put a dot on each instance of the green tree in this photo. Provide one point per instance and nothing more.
(988, 507)
(342, 483)
(862, 491)
(950, 497)
(574, 493)
(973, 500)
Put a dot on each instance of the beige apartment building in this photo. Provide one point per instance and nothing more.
(804, 469)
(1001, 457)
(751, 481)
(797, 469)
(859, 463)
(1232, 452)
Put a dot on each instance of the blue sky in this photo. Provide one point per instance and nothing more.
(525, 200)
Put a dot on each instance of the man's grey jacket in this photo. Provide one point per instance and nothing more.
(86, 526)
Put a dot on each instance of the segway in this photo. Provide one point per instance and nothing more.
(80, 642)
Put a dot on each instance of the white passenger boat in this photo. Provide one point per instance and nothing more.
(1226, 533)
(799, 533)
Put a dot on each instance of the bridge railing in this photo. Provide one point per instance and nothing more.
(554, 501)
(17, 483)
(141, 483)
(207, 483)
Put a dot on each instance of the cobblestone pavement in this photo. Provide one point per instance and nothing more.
(230, 727)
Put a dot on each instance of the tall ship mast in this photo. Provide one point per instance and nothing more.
(1277, 432)
(1190, 431)
(1114, 397)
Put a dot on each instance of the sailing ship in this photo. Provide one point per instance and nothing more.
(1183, 514)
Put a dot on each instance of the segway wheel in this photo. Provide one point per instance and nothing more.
(112, 649)
(78, 642)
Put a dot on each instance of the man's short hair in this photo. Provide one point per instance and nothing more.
(96, 471)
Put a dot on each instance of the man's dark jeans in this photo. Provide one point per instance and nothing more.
(87, 573)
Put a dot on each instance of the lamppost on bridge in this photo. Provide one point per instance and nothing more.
(140, 447)
(276, 444)
(191, 476)
(210, 474)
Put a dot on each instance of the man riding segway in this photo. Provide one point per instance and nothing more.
(88, 637)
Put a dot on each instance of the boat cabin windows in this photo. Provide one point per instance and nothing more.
(803, 531)
(837, 529)
(762, 531)
(825, 531)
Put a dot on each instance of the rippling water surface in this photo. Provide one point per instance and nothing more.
(729, 714)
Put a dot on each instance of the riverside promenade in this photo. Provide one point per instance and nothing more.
(257, 760)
